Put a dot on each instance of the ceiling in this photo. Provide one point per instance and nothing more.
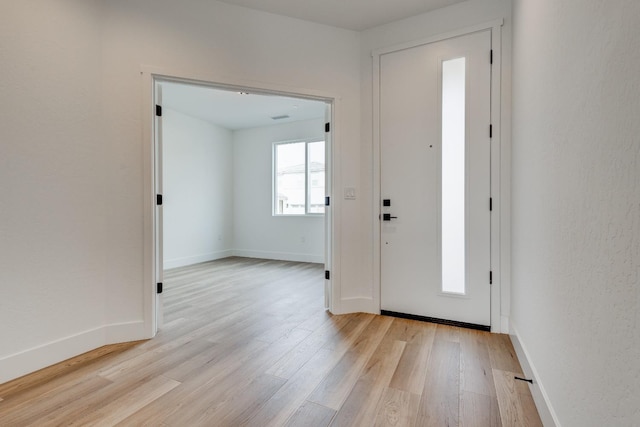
(234, 110)
(354, 15)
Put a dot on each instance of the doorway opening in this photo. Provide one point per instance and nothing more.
(224, 187)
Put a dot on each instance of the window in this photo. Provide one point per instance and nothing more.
(453, 176)
(298, 178)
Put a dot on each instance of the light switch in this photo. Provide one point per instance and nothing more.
(349, 193)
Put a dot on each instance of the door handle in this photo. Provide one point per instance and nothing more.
(388, 217)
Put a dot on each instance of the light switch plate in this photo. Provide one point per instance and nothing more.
(349, 193)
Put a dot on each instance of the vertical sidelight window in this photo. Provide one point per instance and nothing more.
(453, 176)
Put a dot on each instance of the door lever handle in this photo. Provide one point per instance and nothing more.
(388, 217)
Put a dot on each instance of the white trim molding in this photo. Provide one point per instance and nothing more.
(196, 259)
(152, 75)
(28, 361)
(280, 256)
(540, 397)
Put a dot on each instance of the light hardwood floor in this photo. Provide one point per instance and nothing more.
(247, 342)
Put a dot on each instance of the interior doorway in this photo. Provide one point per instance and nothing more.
(252, 176)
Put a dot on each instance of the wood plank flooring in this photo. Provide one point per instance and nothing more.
(247, 342)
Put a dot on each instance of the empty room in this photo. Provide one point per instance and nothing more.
(472, 256)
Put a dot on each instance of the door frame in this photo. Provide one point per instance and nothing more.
(150, 77)
(500, 167)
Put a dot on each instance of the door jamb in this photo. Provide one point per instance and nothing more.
(151, 75)
(500, 233)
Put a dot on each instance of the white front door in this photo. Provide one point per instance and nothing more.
(435, 180)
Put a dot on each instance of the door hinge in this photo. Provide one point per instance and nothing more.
(327, 127)
(159, 287)
(491, 56)
(158, 110)
(159, 199)
(491, 277)
(327, 201)
(327, 275)
(490, 131)
(490, 203)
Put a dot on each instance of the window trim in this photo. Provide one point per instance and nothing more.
(274, 177)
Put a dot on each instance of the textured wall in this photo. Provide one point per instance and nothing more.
(576, 204)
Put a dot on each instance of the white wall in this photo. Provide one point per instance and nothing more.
(197, 190)
(75, 66)
(420, 27)
(576, 205)
(53, 229)
(257, 233)
(217, 194)
(228, 44)
(71, 237)
(71, 222)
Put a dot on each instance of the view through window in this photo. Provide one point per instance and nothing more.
(299, 169)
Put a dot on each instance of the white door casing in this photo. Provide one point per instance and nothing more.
(152, 135)
(410, 100)
(328, 208)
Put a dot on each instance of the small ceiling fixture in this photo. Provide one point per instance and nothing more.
(243, 93)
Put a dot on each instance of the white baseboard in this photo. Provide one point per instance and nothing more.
(126, 332)
(540, 397)
(28, 361)
(281, 256)
(196, 259)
